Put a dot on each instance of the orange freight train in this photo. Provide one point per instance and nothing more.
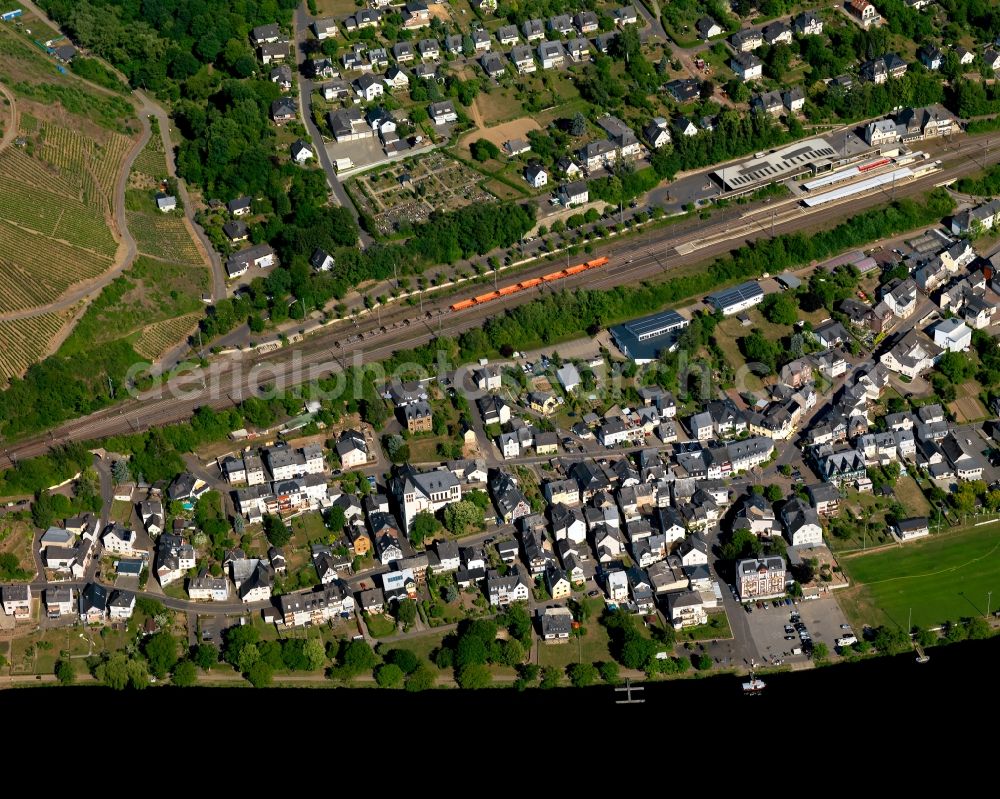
(525, 285)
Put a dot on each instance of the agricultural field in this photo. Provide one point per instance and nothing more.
(142, 305)
(57, 182)
(157, 338)
(941, 578)
(407, 193)
(162, 236)
(35, 271)
(25, 341)
(151, 161)
(157, 234)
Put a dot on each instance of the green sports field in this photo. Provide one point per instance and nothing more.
(942, 578)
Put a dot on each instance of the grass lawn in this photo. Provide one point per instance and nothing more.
(380, 625)
(423, 447)
(502, 190)
(941, 578)
(335, 8)
(306, 529)
(909, 495)
(717, 627)
(729, 331)
(121, 512)
(420, 645)
(176, 590)
(16, 538)
(499, 105)
(592, 648)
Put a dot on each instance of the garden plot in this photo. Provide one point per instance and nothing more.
(406, 193)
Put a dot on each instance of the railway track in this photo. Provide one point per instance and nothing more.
(641, 257)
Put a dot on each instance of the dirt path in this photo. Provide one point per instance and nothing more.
(80, 295)
(205, 249)
(11, 131)
(498, 134)
(124, 257)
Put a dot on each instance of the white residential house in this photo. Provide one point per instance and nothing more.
(395, 78)
(801, 521)
(687, 609)
(902, 298)
(425, 491)
(352, 449)
(533, 29)
(369, 88)
(747, 66)
(448, 556)
(121, 605)
(693, 551)
(506, 590)
(865, 13)
(300, 152)
(119, 540)
(536, 175)
(794, 99)
(324, 27)
(685, 127)
(910, 529)
(953, 335)
(808, 24)
(881, 132)
(551, 54)
(510, 445)
(443, 113)
(657, 133)
(708, 28)
(16, 600)
(911, 355)
(617, 586)
(207, 588)
(523, 59)
(58, 602)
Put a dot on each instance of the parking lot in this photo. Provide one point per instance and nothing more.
(822, 619)
(213, 626)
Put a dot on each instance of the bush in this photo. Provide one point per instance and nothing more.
(701, 662)
(65, 672)
(260, 675)
(582, 674)
(404, 658)
(484, 150)
(474, 676)
(609, 672)
(184, 674)
(551, 677)
(422, 679)
(389, 675)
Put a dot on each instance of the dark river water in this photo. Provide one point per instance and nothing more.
(869, 697)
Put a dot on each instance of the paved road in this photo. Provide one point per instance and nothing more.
(339, 193)
(328, 351)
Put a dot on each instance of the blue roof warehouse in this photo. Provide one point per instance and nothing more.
(644, 339)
